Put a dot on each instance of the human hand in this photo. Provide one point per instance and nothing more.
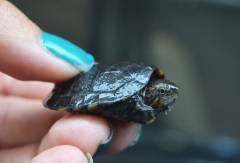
(30, 60)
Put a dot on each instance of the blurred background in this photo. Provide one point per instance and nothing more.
(195, 42)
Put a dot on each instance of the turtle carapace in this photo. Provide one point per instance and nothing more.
(124, 91)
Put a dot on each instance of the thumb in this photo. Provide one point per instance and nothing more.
(27, 53)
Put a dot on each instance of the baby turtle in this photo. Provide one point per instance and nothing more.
(124, 91)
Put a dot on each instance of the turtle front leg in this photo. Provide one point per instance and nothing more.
(142, 112)
(140, 105)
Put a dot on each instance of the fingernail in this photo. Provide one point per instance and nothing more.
(103, 145)
(89, 158)
(67, 51)
(137, 136)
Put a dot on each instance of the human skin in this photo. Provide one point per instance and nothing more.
(28, 131)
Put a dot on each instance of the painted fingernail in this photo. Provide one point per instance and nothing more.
(89, 158)
(137, 136)
(103, 145)
(67, 51)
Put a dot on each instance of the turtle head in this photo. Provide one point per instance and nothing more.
(161, 93)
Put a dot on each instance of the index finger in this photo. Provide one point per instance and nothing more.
(28, 53)
(27, 89)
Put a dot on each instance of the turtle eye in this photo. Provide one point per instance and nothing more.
(162, 91)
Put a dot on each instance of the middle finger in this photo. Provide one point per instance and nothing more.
(24, 120)
(28, 89)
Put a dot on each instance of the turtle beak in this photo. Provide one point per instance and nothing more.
(174, 89)
(175, 92)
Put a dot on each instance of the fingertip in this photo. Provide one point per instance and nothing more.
(86, 132)
(61, 154)
(28, 53)
(126, 134)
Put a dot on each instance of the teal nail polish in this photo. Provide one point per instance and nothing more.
(138, 136)
(103, 145)
(67, 51)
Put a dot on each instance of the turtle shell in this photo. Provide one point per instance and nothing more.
(101, 85)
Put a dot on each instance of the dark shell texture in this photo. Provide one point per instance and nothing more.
(109, 91)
